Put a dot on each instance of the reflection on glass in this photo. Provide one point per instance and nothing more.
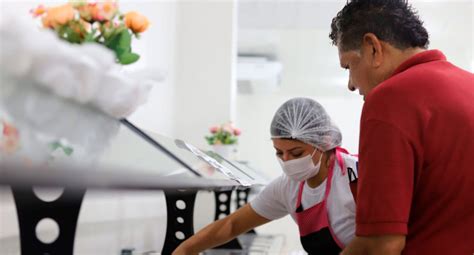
(208, 164)
(242, 170)
(190, 155)
(129, 150)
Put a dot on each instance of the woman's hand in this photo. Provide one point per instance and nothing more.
(182, 251)
(221, 231)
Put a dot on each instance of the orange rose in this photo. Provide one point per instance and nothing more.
(108, 9)
(58, 15)
(38, 11)
(47, 22)
(136, 22)
(102, 11)
(85, 11)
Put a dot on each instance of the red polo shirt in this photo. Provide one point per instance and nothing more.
(416, 157)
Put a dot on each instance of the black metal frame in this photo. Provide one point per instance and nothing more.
(234, 243)
(242, 199)
(31, 210)
(65, 211)
(173, 213)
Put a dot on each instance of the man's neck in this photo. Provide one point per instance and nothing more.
(400, 56)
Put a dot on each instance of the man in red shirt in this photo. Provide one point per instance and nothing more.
(416, 176)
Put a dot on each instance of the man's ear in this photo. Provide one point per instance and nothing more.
(372, 47)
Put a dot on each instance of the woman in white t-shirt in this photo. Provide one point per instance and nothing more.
(317, 188)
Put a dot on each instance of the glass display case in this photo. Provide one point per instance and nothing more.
(48, 140)
(43, 129)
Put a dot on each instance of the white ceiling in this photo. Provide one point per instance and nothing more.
(287, 14)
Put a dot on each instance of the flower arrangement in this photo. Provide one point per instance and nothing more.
(223, 134)
(82, 21)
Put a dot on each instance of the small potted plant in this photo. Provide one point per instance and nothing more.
(223, 139)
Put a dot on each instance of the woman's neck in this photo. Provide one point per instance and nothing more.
(326, 161)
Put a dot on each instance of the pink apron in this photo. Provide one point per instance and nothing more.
(316, 234)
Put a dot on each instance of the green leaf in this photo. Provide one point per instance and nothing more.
(60, 30)
(53, 146)
(125, 40)
(121, 43)
(90, 37)
(128, 58)
(112, 42)
(68, 150)
(72, 36)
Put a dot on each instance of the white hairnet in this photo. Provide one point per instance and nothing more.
(306, 120)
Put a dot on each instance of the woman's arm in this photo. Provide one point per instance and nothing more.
(222, 231)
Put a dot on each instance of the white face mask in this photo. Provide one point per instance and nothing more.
(301, 169)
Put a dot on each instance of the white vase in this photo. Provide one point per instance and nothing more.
(227, 151)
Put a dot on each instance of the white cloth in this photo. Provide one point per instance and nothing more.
(279, 198)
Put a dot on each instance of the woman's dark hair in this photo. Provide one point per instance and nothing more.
(392, 21)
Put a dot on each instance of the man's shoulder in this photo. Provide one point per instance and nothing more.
(396, 98)
(416, 88)
(423, 76)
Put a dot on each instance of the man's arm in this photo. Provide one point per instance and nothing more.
(376, 245)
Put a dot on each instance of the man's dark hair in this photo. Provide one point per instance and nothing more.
(392, 21)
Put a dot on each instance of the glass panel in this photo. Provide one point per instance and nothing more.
(208, 164)
(39, 128)
(242, 169)
(190, 155)
(127, 149)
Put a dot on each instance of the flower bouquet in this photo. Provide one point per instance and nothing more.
(224, 138)
(223, 134)
(63, 91)
(82, 21)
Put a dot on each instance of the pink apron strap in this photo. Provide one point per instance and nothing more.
(340, 160)
(329, 180)
(300, 194)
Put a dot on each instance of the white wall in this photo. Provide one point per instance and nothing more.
(205, 59)
(158, 60)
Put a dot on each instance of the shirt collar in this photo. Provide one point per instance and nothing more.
(420, 58)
